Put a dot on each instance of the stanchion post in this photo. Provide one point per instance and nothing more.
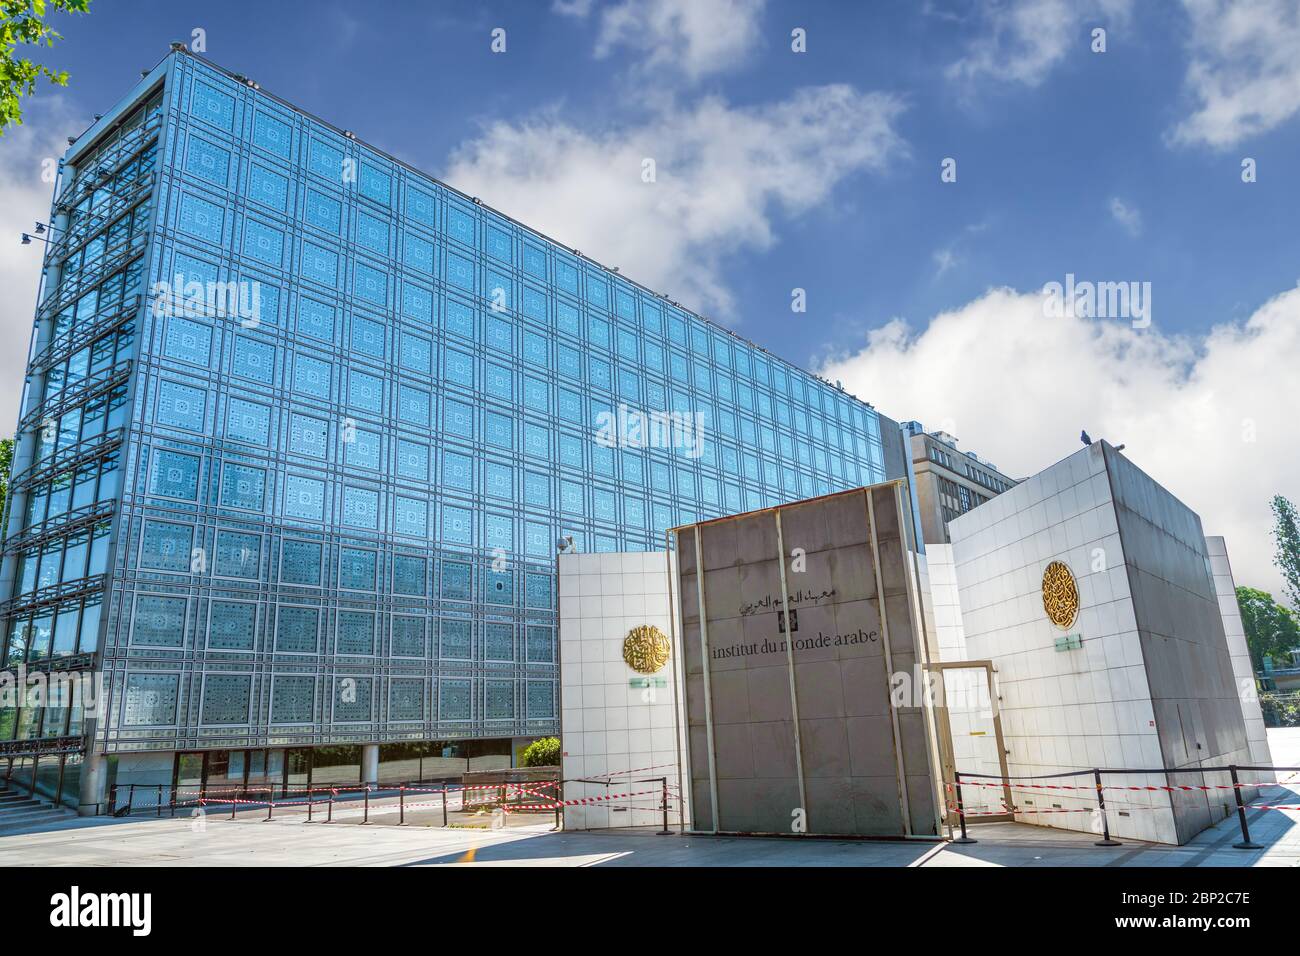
(961, 810)
(309, 804)
(270, 802)
(330, 810)
(663, 783)
(1101, 808)
(401, 805)
(158, 802)
(171, 801)
(444, 804)
(366, 816)
(130, 801)
(1246, 842)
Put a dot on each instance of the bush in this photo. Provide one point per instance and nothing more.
(541, 753)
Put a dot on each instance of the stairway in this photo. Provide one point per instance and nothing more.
(20, 810)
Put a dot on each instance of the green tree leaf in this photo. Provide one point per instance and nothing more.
(22, 23)
(1286, 532)
(1272, 629)
(541, 753)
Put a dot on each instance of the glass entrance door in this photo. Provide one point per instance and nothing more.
(187, 779)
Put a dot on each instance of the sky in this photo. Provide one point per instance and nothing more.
(917, 172)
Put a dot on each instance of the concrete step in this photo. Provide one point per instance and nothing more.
(38, 815)
(20, 805)
(6, 795)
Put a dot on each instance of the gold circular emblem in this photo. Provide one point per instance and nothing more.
(1060, 595)
(646, 649)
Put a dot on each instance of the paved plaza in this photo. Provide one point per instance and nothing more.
(289, 840)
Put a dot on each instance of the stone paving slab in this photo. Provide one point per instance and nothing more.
(289, 840)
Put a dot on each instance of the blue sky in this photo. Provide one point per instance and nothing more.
(779, 170)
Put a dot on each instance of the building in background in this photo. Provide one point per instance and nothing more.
(301, 430)
(948, 482)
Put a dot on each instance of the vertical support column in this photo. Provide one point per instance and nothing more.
(904, 804)
(94, 775)
(370, 764)
(789, 661)
(708, 680)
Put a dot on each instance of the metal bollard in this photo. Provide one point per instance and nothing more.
(309, 804)
(1101, 808)
(1246, 842)
(366, 817)
(270, 802)
(444, 804)
(401, 805)
(330, 817)
(664, 783)
(961, 811)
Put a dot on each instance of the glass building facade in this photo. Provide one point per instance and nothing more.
(303, 426)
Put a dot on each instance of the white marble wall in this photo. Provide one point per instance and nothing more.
(1225, 589)
(608, 727)
(1062, 710)
(966, 691)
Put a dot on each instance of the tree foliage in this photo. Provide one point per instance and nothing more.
(22, 23)
(541, 753)
(1272, 629)
(6, 462)
(1286, 532)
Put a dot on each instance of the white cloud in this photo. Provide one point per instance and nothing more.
(1244, 72)
(1021, 41)
(691, 37)
(24, 199)
(720, 174)
(1130, 217)
(1209, 417)
(572, 8)
(944, 259)
(952, 255)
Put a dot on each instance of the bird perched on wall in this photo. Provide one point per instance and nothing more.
(1083, 437)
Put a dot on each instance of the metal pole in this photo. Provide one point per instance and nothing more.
(1246, 843)
(444, 804)
(158, 802)
(309, 804)
(1101, 808)
(366, 817)
(961, 811)
(270, 801)
(401, 805)
(130, 801)
(330, 817)
(234, 801)
(663, 782)
(172, 801)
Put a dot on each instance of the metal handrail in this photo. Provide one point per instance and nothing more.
(101, 323)
(60, 525)
(1098, 772)
(78, 395)
(69, 459)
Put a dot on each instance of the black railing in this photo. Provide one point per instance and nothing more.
(155, 799)
(1099, 788)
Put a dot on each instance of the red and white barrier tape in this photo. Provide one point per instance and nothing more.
(580, 801)
(1094, 787)
(623, 773)
(375, 790)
